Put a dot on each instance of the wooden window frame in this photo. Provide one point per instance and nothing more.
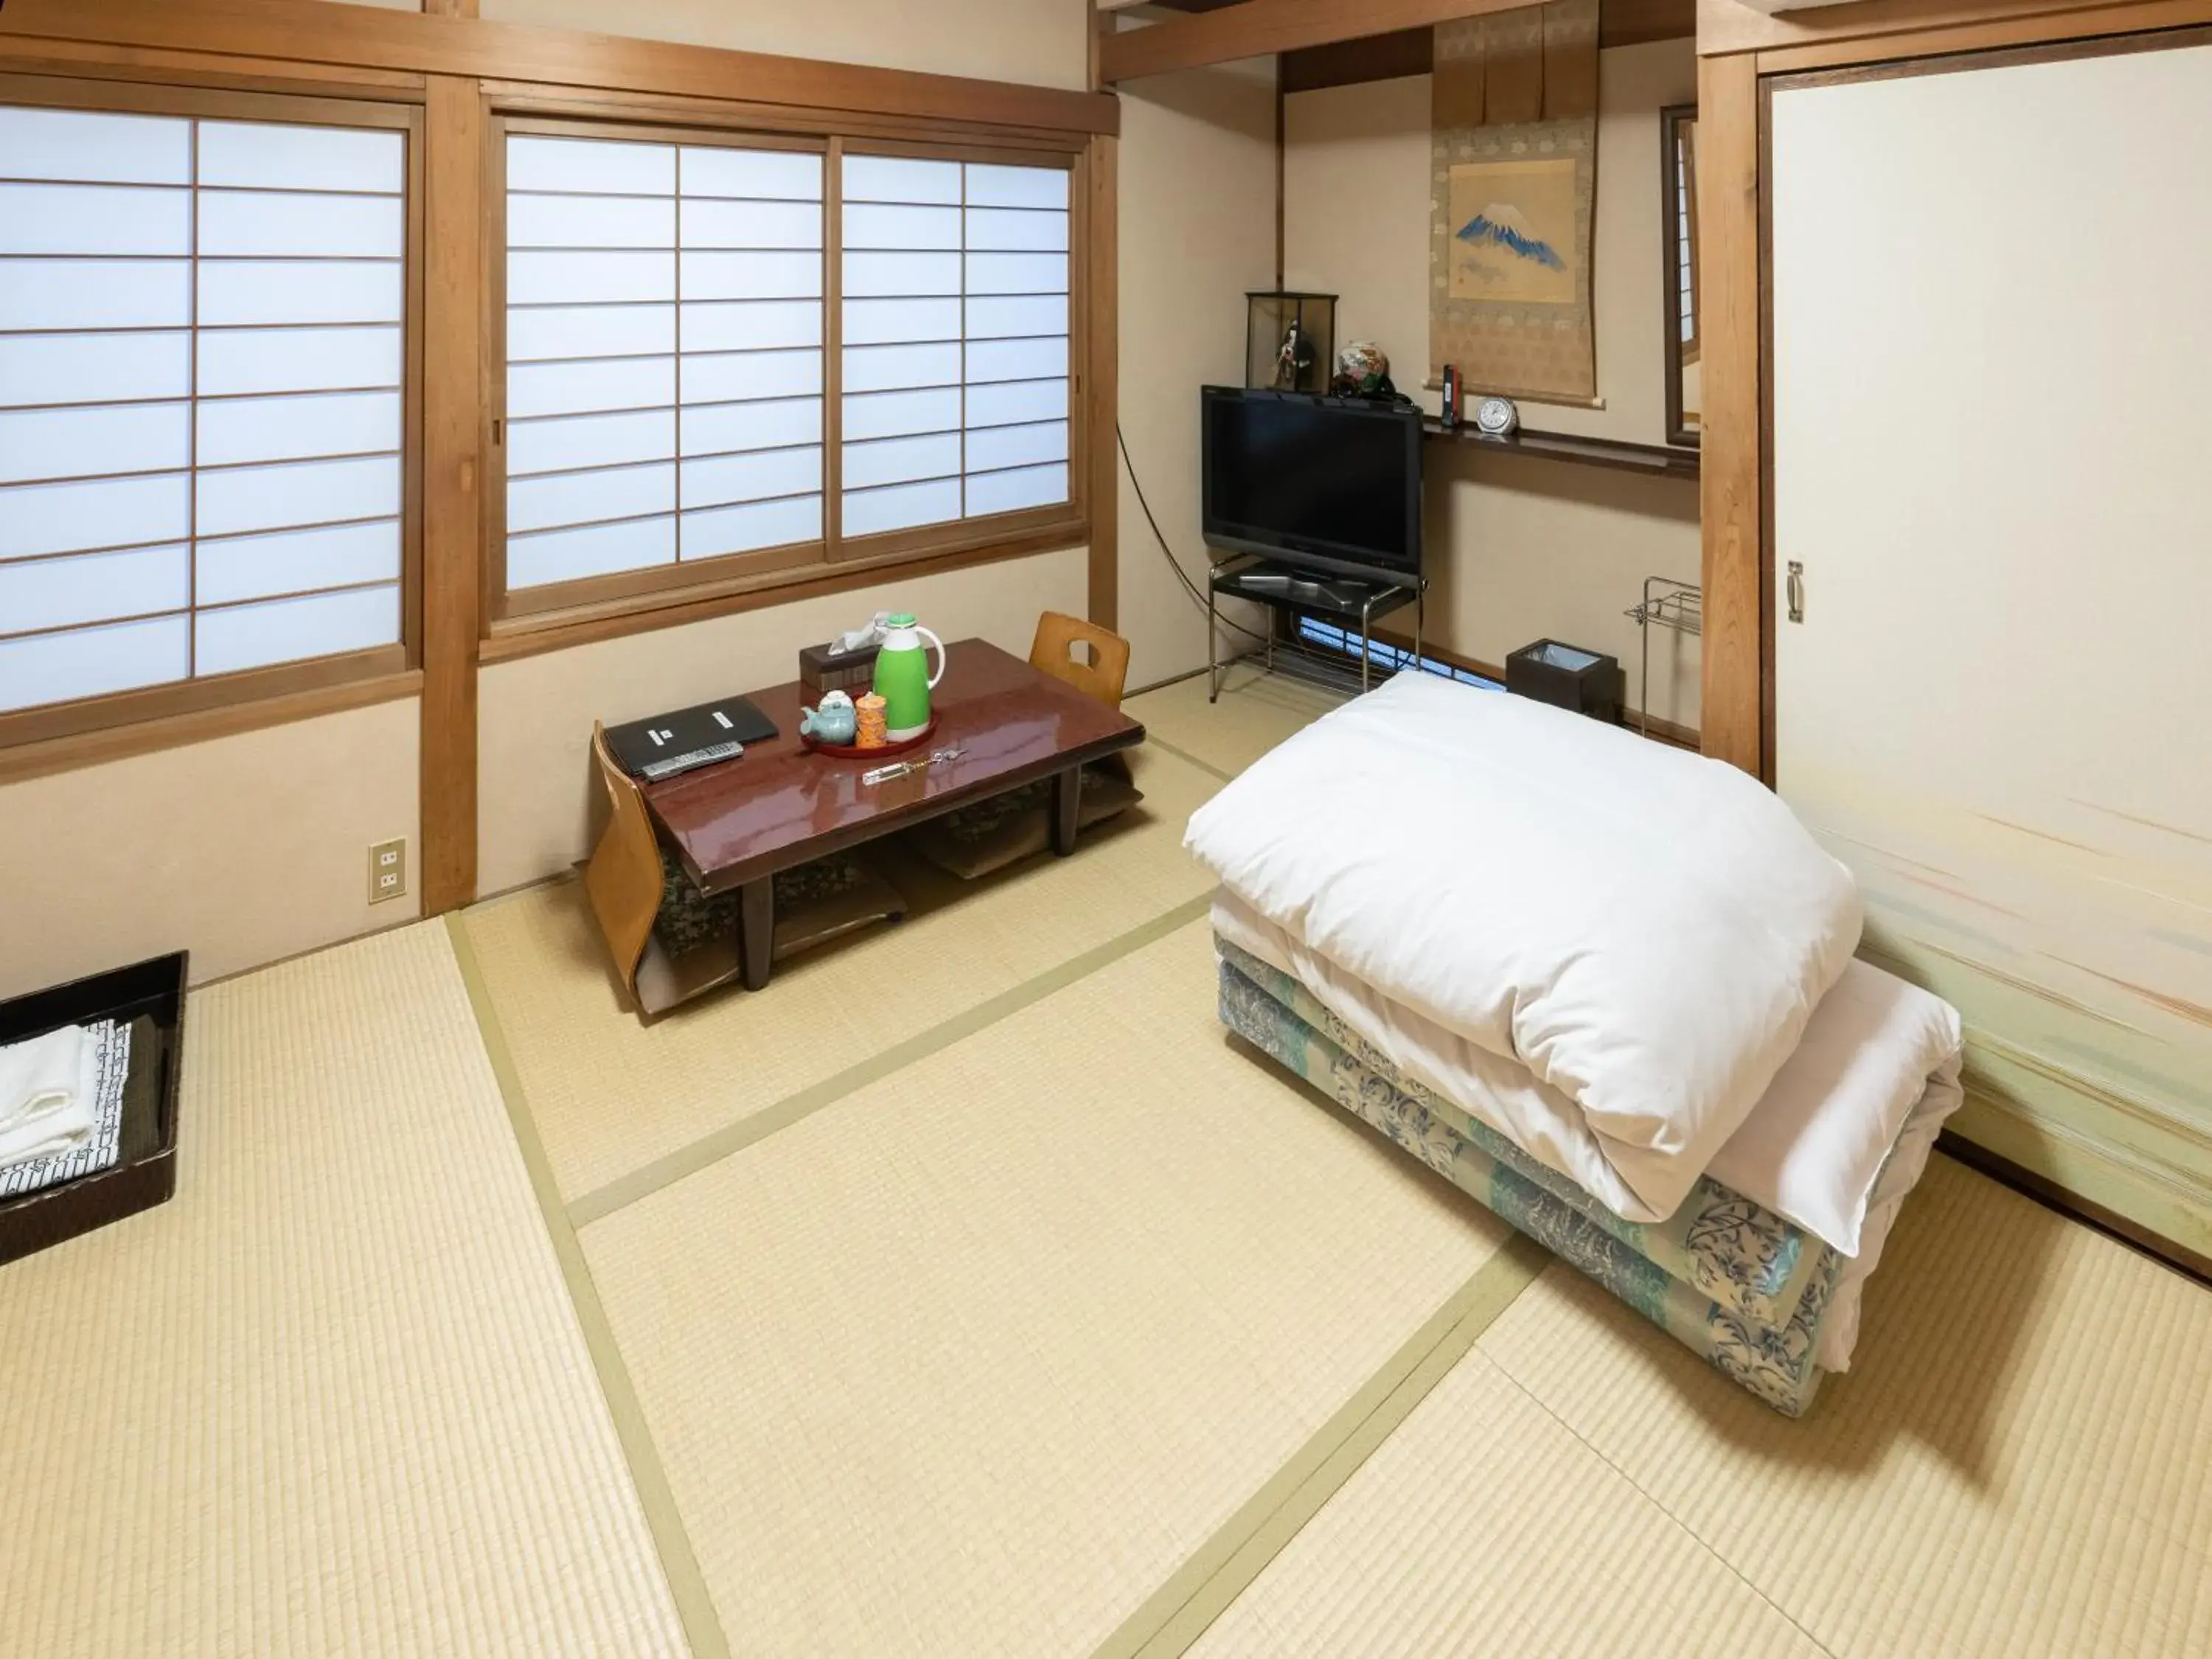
(36, 738)
(556, 615)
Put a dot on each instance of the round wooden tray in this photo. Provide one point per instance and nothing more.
(853, 751)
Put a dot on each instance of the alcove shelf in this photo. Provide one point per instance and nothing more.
(1654, 461)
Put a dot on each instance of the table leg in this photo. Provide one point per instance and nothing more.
(756, 930)
(1066, 799)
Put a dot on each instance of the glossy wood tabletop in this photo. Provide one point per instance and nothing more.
(777, 804)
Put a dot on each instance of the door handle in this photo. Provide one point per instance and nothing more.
(1796, 591)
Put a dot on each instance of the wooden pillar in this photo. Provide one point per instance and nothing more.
(1734, 719)
(1100, 182)
(451, 467)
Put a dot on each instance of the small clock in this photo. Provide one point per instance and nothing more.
(1496, 417)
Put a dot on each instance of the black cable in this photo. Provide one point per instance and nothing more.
(1174, 563)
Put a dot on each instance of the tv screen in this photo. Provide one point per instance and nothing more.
(1323, 482)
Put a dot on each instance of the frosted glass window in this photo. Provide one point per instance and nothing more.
(599, 496)
(295, 225)
(566, 556)
(751, 325)
(37, 595)
(237, 637)
(246, 154)
(94, 148)
(250, 360)
(1017, 403)
(902, 506)
(752, 527)
(298, 561)
(57, 296)
(1016, 491)
(761, 476)
(579, 222)
(101, 220)
(896, 322)
(901, 460)
(751, 224)
(754, 174)
(92, 662)
(553, 332)
(79, 443)
(898, 414)
(251, 291)
(957, 324)
(739, 376)
(898, 368)
(233, 501)
(563, 444)
(733, 428)
(240, 431)
(93, 369)
(663, 346)
(752, 274)
(201, 408)
(589, 167)
(990, 448)
(592, 387)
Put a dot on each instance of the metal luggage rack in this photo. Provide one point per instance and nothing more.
(1667, 604)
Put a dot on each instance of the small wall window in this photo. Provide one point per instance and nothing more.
(204, 376)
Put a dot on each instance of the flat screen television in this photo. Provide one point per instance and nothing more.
(1331, 483)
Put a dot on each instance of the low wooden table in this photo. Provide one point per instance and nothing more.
(735, 825)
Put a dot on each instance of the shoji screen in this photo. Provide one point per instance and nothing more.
(664, 344)
(956, 391)
(202, 364)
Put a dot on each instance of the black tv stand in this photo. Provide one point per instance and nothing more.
(1288, 587)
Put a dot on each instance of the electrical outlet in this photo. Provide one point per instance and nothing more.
(387, 871)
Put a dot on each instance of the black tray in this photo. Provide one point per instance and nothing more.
(150, 998)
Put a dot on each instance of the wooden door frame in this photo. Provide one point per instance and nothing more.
(1742, 53)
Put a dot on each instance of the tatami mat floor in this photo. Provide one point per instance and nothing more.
(969, 1293)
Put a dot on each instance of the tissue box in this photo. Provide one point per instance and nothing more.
(854, 672)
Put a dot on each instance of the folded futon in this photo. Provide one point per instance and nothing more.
(1606, 988)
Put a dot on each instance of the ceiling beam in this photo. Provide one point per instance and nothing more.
(1257, 27)
(368, 37)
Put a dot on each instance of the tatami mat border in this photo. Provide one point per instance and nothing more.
(1222, 1568)
(1207, 767)
(711, 1149)
(695, 1605)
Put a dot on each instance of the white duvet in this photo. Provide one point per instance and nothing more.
(1626, 941)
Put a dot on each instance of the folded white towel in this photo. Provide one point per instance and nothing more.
(47, 1094)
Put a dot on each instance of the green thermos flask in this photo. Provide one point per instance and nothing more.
(903, 678)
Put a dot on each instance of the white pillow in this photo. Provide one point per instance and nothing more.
(1646, 931)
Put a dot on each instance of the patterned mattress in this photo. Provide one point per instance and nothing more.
(1729, 1280)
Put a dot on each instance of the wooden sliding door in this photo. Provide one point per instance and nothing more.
(1990, 361)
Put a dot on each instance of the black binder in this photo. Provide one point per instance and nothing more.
(639, 744)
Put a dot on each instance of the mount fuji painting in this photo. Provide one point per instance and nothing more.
(1505, 225)
(1513, 231)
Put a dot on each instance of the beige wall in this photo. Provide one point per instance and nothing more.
(241, 850)
(1519, 548)
(537, 801)
(1197, 231)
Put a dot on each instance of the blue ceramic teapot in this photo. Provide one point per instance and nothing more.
(834, 722)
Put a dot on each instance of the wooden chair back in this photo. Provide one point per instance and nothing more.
(1053, 652)
(623, 878)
